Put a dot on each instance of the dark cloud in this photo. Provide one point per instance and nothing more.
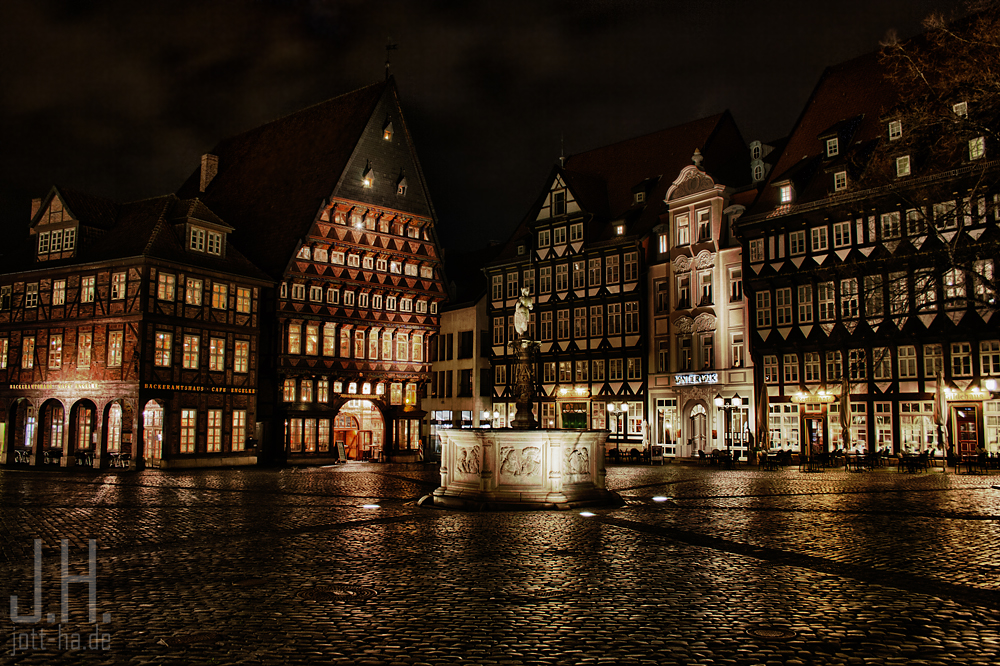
(120, 98)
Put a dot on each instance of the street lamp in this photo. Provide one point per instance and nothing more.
(618, 411)
(727, 405)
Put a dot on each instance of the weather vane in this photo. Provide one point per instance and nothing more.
(388, 47)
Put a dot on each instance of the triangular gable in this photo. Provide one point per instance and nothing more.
(570, 203)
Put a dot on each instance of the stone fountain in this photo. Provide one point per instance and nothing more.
(522, 467)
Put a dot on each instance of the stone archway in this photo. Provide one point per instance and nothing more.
(83, 429)
(361, 426)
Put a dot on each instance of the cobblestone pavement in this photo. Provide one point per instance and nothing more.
(257, 566)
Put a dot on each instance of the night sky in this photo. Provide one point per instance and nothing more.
(119, 98)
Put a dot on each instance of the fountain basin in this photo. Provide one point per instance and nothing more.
(522, 469)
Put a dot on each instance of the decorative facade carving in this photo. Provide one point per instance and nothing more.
(682, 264)
(704, 322)
(705, 259)
(684, 325)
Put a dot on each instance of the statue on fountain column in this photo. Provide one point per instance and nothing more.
(524, 383)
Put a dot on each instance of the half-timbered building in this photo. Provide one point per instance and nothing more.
(129, 336)
(331, 202)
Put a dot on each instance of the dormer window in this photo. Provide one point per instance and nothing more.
(203, 240)
(368, 177)
(832, 147)
(755, 151)
(619, 229)
(387, 131)
(895, 130)
(639, 197)
(961, 109)
(758, 172)
(785, 193)
(840, 181)
(401, 185)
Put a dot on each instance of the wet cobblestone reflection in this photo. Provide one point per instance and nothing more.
(289, 566)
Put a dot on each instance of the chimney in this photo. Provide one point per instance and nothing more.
(209, 167)
(35, 205)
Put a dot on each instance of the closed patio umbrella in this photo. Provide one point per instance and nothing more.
(763, 427)
(845, 413)
(941, 411)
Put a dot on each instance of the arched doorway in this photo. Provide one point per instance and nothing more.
(82, 427)
(699, 427)
(114, 429)
(359, 426)
(21, 431)
(52, 417)
(152, 430)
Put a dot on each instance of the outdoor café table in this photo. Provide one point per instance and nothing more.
(912, 462)
(858, 462)
(772, 461)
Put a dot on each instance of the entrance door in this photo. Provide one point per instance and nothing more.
(699, 428)
(968, 430)
(814, 435)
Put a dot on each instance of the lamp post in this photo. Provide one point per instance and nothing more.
(727, 405)
(617, 411)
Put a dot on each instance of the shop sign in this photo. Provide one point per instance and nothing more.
(705, 378)
(204, 389)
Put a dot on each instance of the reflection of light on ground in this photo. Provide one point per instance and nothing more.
(587, 514)
(371, 506)
(660, 498)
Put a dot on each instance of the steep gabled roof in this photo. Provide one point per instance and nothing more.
(272, 180)
(603, 180)
(147, 228)
(855, 94)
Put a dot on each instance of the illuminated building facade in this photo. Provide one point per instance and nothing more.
(883, 283)
(129, 336)
(584, 253)
(331, 203)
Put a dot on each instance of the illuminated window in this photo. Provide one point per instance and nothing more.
(832, 147)
(306, 390)
(368, 176)
(895, 130)
(163, 344)
(288, 390)
(117, 286)
(214, 430)
(295, 338)
(312, 339)
(28, 352)
(59, 292)
(217, 354)
(192, 346)
(960, 109)
(115, 340)
(239, 429)
(757, 250)
(165, 286)
(243, 299)
(84, 344)
(323, 390)
(329, 339)
(55, 351)
(682, 224)
(785, 193)
(220, 295)
(189, 429)
(192, 292)
(241, 355)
